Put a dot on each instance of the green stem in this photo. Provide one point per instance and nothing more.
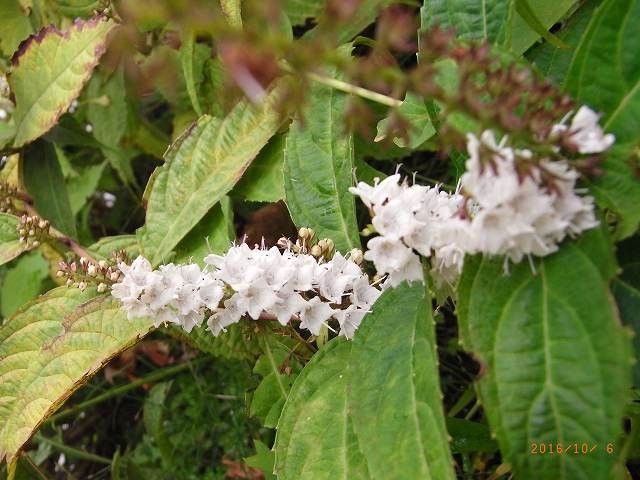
(116, 391)
(73, 452)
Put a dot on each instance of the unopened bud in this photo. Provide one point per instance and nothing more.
(102, 264)
(69, 283)
(82, 286)
(357, 256)
(91, 270)
(114, 276)
(303, 233)
(316, 251)
(36, 243)
(32, 232)
(102, 287)
(59, 273)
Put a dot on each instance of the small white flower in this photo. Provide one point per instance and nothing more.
(314, 314)
(585, 132)
(287, 306)
(349, 320)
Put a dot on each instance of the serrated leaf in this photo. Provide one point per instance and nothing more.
(48, 349)
(278, 368)
(202, 166)
(556, 360)
(492, 20)
(316, 420)
(264, 460)
(44, 181)
(103, 248)
(264, 179)
(617, 95)
(10, 246)
(318, 162)
(237, 343)
(49, 70)
(394, 389)
(626, 289)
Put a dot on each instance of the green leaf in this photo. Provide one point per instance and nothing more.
(492, 20)
(214, 234)
(22, 282)
(238, 343)
(416, 111)
(626, 289)
(554, 62)
(48, 349)
(556, 361)
(45, 183)
(299, 11)
(103, 248)
(193, 57)
(470, 437)
(202, 166)
(365, 14)
(315, 437)
(617, 95)
(394, 392)
(83, 185)
(278, 368)
(264, 460)
(263, 181)
(15, 26)
(318, 162)
(10, 246)
(49, 71)
(231, 9)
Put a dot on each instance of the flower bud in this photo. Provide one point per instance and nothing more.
(303, 232)
(82, 286)
(102, 287)
(32, 232)
(36, 243)
(357, 256)
(69, 282)
(91, 270)
(316, 251)
(114, 276)
(59, 273)
(102, 264)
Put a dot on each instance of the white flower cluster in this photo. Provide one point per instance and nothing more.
(511, 204)
(257, 282)
(408, 218)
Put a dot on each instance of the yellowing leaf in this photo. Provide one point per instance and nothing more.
(49, 70)
(48, 349)
(10, 246)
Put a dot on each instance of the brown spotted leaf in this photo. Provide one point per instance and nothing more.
(49, 70)
(48, 349)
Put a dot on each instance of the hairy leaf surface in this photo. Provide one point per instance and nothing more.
(49, 70)
(201, 167)
(394, 394)
(318, 162)
(315, 437)
(556, 359)
(48, 349)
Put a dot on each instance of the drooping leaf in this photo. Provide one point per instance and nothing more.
(316, 420)
(492, 20)
(23, 282)
(278, 368)
(49, 70)
(10, 246)
(48, 349)
(264, 181)
(202, 166)
(44, 181)
(556, 360)
(617, 96)
(554, 62)
(15, 26)
(394, 391)
(193, 57)
(318, 162)
(626, 289)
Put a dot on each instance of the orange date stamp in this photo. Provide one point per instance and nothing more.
(575, 448)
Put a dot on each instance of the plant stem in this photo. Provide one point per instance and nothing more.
(73, 452)
(114, 392)
(348, 87)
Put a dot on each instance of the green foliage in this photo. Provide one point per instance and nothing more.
(22, 282)
(556, 360)
(10, 246)
(202, 166)
(316, 419)
(418, 113)
(316, 144)
(615, 94)
(47, 348)
(394, 388)
(42, 95)
(264, 179)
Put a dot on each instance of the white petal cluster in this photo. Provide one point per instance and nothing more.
(253, 282)
(584, 132)
(519, 214)
(409, 219)
(287, 285)
(177, 294)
